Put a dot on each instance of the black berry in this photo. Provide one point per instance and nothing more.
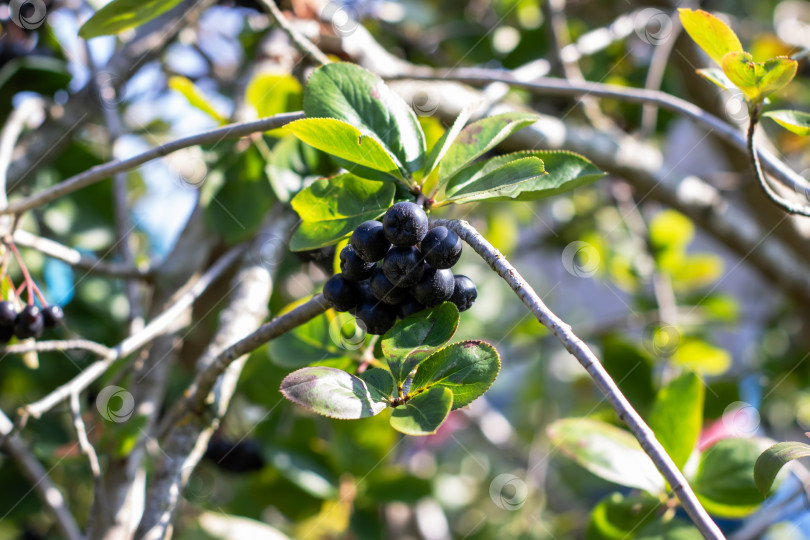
(29, 323)
(441, 247)
(382, 289)
(53, 316)
(8, 314)
(405, 224)
(409, 307)
(464, 293)
(353, 267)
(435, 287)
(237, 457)
(341, 293)
(403, 266)
(369, 241)
(377, 317)
(6, 333)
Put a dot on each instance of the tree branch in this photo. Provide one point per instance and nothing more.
(40, 481)
(590, 362)
(78, 259)
(105, 170)
(550, 86)
(753, 156)
(301, 43)
(159, 325)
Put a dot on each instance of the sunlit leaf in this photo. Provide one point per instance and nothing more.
(607, 451)
(677, 416)
(771, 461)
(702, 357)
(414, 338)
(796, 121)
(195, 97)
(758, 79)
(332, 392)
(120, 15)
(330, 209)
(617, 516)
(423, 414)
(710, 33)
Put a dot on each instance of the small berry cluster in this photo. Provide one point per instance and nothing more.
(414, 274)
(30, 321)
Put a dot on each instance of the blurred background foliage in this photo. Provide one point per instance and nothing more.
(650, 292)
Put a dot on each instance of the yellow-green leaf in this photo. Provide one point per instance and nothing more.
(195, 97)
(274, 93)
(702, 357)
(345, 141)
(796, 121)
(710, 33)
(758, 79)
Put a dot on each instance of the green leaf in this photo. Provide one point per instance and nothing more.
(332, 392)
(710, 33)
(120, 15)
(716, 76)
(380, 380)
(195, 97)
(292, 163)
(616, 516)
(443, 144)
(758, 79)
(676, 529)
(414, 338)
(345, 141)
(478, 138)
(724, 481)
(607, 451)
(565, 171)
(495, 183)
(396, 485)
(423, 414)
(796, 121)
(467, 368)
(771, 461)
(356, 96)
(696, 354)
(274, 93)
(330, 209)
(303, 471)
(677, 416)
(316, 340)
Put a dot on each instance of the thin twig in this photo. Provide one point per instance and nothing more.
(86, 448)
(59, 345)
(763, 181)
(655, 75)
(78, 259)
(198, 391)
(301, 43)
(158, 326)
(551, 86)
(105, 170)
(592, 365)
(40, 481)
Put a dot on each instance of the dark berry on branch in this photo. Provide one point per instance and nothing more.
(441, 247)
(53, 316)
(377, 317)
(382, 289)
(341, 293)
(403, 266)
(29, 323)
(405, 224)
(353, 267)
(409, 307)
(369, 242)
(435, 287)
(464, 293)
(8, 314)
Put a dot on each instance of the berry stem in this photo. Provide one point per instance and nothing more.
(29, 282)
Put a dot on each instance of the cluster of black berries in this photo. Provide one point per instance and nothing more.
(29, 322)
(414, 274)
